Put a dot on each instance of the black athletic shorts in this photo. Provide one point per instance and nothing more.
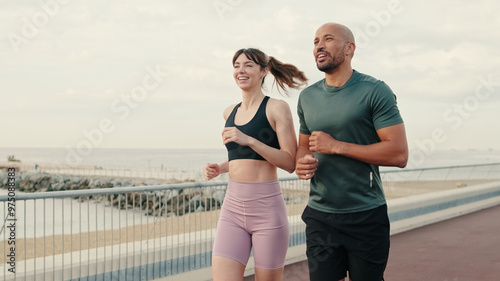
(357, 243)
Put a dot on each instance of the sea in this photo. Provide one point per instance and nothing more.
(194, 159)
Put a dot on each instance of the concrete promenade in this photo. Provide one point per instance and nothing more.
(465, 248)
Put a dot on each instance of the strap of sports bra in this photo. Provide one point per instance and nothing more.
(262, 106)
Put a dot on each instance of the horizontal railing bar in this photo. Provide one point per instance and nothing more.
(112, 190)
(438, 168)
(117, 190)
(152, 188)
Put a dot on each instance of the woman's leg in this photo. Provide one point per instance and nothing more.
(269, 274)
(232, 243)
(270, 238)
(226, 269)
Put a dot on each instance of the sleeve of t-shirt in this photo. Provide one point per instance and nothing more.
(385, 111)
(303, 127)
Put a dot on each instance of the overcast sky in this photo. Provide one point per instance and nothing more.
(158, 74)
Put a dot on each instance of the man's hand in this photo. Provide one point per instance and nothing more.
(306, 167)
(322, 142)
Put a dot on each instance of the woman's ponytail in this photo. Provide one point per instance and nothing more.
(286, 75)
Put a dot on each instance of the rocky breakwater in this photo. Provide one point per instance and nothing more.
(159, 203)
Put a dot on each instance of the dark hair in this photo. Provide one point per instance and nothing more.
(285, 75)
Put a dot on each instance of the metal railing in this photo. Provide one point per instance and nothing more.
(127, 233)
(144, 233)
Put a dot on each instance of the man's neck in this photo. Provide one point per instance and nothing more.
(339, 76)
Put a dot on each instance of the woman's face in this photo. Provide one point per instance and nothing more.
(247, 73)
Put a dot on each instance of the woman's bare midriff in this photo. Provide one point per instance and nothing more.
(248, 170)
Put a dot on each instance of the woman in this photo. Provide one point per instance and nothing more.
(260, 137)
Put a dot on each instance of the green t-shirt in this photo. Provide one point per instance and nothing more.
(352, 113)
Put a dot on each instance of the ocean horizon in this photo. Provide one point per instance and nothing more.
(194, 159)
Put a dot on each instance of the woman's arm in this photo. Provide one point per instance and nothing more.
(283, 158)
(212, 170)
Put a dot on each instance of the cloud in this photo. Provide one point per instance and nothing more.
(91, 53)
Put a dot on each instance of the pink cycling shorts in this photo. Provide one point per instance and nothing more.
(253, 215)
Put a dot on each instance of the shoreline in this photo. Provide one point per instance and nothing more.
(165, 175)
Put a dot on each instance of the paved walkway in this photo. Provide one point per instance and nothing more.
(465, 248)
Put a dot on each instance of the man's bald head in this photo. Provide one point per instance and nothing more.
(342, 30)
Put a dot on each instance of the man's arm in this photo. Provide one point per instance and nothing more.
(392, 150)
(306, 164)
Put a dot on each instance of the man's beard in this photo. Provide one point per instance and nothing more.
(333, 64)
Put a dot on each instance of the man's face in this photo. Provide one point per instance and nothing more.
(329, 48)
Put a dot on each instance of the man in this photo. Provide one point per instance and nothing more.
(349, 126)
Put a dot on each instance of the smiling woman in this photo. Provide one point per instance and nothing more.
(259, 136)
